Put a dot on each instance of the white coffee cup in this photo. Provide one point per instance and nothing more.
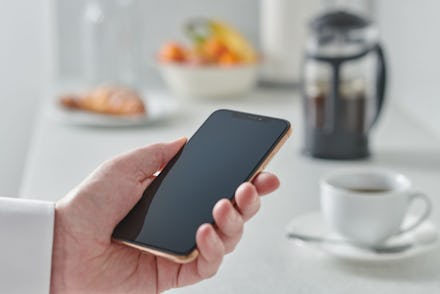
(369, 206)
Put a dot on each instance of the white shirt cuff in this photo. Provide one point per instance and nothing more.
(26, 235)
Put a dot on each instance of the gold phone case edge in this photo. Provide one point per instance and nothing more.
(173, 257)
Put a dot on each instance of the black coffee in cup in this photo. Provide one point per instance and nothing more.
(369, 190)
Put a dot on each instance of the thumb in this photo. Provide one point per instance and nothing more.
(145, 161)
(132, 172)
(115, 187)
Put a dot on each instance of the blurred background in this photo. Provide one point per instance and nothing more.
(43, 44)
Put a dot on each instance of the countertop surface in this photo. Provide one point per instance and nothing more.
(62, 155)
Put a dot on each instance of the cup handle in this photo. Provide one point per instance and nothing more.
(423, 216)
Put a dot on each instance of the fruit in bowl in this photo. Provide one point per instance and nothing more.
(218, 62)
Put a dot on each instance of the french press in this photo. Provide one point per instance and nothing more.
(343, 85)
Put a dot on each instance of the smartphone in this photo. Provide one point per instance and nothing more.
(228, 149)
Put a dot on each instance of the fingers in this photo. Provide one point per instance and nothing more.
(230, 220)
(247, 200)
(229, 223)
(266, 183)
(211, 251)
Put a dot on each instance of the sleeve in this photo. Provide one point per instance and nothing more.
(26, 234)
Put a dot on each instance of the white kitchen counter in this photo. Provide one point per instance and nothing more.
(265, 261)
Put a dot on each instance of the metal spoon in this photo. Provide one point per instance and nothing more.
(381, 249)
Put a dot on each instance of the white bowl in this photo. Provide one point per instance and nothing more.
(209, 80)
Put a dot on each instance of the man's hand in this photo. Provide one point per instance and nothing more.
(85, 260)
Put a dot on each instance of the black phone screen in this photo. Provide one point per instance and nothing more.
(224, 152)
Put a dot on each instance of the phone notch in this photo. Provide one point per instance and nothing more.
(249, 116)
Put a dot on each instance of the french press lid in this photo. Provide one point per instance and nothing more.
(341, 34)
(339, 20)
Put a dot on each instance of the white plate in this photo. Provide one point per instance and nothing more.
(159, 105)
(424, 237)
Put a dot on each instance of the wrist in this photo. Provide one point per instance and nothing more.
(57, 281)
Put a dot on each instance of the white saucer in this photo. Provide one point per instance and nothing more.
(160, 105)
(424, 237)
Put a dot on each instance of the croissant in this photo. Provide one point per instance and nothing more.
(113, 100)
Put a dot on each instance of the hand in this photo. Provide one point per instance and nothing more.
(85, 260)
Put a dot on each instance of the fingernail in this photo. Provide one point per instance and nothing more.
(212, 238)
(253, 198)
(181, 139)
(233, 217)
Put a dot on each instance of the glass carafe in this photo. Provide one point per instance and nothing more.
(343, 85)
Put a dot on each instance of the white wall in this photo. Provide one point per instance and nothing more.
(410, 30)
(27, 58)
(24, 69)
(161, 21)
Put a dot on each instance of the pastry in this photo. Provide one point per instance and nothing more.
(114, 100)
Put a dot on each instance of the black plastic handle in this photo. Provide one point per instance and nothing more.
(381, 81)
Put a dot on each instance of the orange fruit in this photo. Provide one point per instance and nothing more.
(172, 52)
(213, 48)
(228, 58)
